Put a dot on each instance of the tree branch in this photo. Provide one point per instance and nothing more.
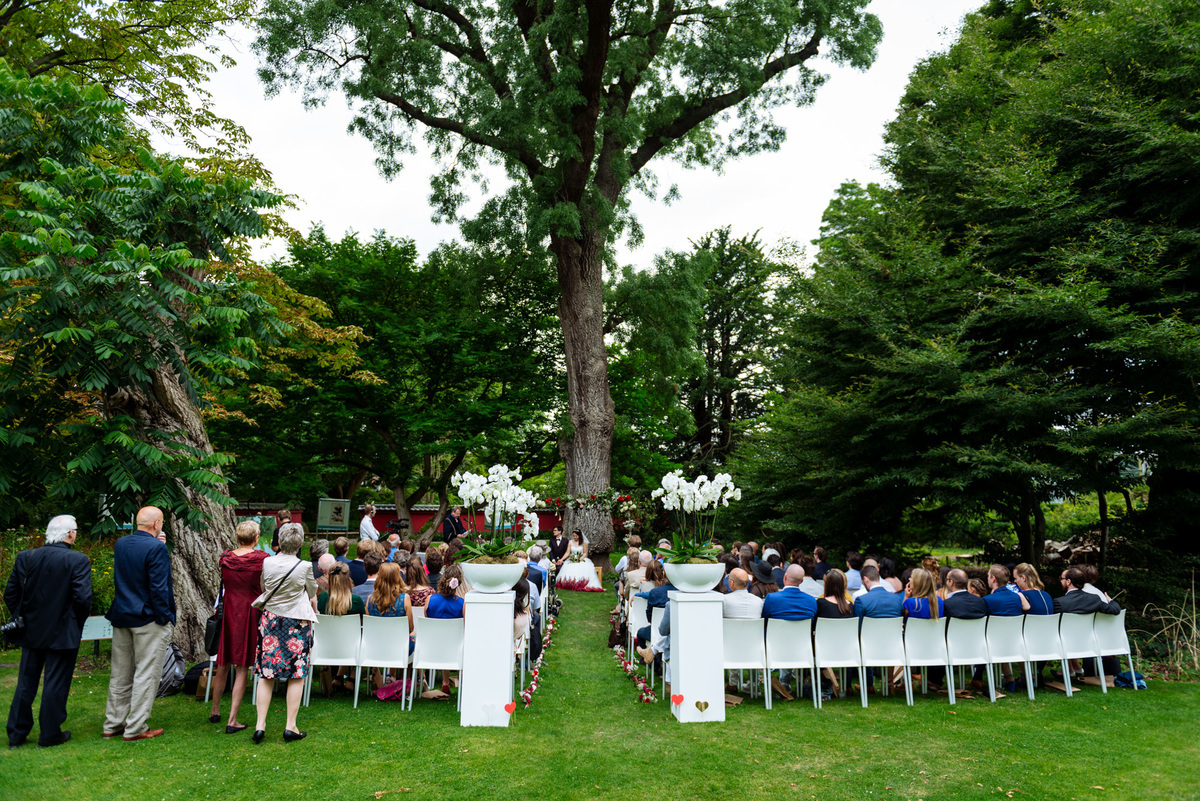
(703, 109)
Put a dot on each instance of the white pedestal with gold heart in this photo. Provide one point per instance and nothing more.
(697, 654)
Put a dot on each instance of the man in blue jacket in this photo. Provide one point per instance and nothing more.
(1002, 601)
(877, 602)
(142, 614)
(790, 603)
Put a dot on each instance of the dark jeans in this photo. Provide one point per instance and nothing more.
(58, 666)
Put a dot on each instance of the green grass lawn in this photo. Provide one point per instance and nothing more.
(587, 736)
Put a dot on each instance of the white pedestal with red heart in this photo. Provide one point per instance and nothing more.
(487, 676)
(697, 653)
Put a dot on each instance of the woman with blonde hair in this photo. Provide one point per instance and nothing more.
(340, 598)
(1030, 586)
(923, 602)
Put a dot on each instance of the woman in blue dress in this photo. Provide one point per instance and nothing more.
(446, 604)
(1029, 583)
(390, 599)
(923, 601)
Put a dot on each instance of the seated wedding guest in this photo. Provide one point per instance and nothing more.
(635, 574)
(810, 585)
(372, 561)
(977, 588)
(1091, 574)
(854, 563)
(959, 601)
(324, 564)
(522, 615)
(452, 548)
(433, 564)
(877, 601)
(790, 603)
(656, 597)
(730, 561)
(943, 572)
(628, 562)
(634, 544)
(762, 579)
(738, 602)
(318, 549)
(1079, 601)
(821, 567)
(340, 599)
(419, 590)
(887, 573)
(923, 602)
(446, 604)
(390, 598)
(835, 600)
(1002, 601)
(776, 565)
(358, 573)
(536, 577)
(341, 550)
(1030, 585)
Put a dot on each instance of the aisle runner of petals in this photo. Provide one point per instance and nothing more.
(536, 668)
(645, 690)
(576, 585)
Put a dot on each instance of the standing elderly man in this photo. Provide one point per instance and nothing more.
(142, 613)
(50, 588)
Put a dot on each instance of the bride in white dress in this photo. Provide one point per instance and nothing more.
(578, 573)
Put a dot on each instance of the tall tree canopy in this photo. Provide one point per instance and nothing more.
(574, 99)
(1016, 320)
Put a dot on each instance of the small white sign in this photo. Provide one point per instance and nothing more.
(97, 627)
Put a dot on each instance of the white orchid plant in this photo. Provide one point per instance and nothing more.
(695, 504)
(505, 501)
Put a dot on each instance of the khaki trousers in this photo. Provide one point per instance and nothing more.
(137, 663)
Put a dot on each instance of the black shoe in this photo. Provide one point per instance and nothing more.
(17, 743)
(62, 738)
(259, 734)
(293, 736)
(236, 729)
(214, 718)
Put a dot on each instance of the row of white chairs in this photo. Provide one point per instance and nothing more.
(366, 641)
(812, 645)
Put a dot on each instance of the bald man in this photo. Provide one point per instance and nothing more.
(738, 602)
(142, 614)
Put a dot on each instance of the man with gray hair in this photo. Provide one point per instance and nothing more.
(50, 590)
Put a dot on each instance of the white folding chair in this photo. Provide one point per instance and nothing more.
(384, 645)
(790, 646)
(656, 616)
(635, 620)
(1042, 644)
(925, 646)
(439, 647)
(1078, 636)
(881, 644)
(1112, 640)
(418, 611)
(337, 640)
(745, 648)
(1006, 643)
(835, 645)
(966, 644)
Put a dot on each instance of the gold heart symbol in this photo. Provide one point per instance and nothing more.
(702, 705)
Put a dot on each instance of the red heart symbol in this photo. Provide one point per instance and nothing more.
(510, 707)
(676, 699)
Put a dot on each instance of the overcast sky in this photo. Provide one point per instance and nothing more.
(780, 194)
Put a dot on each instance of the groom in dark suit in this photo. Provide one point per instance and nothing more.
(51, 589)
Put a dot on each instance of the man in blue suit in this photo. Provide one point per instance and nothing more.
(1002, 601)
(877, 602)
(790, 603)
(142, 613)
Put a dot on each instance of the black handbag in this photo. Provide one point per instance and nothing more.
(212, 628)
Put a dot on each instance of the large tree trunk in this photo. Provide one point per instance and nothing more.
(1103, 503)
(195, 571)
(588, 447)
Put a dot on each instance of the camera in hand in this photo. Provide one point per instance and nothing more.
(13, 628)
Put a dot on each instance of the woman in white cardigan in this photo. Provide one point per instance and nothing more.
(286, 629)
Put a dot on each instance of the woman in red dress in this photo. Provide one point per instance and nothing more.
(241, 575)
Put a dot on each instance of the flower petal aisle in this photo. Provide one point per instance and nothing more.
(536, 669)
(645, 691)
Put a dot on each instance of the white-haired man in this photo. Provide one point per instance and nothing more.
(50, 589)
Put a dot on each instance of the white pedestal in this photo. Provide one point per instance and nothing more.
(697, 654)
(488, 658)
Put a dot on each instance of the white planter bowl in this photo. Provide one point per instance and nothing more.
(695, 578)
(492, 578)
